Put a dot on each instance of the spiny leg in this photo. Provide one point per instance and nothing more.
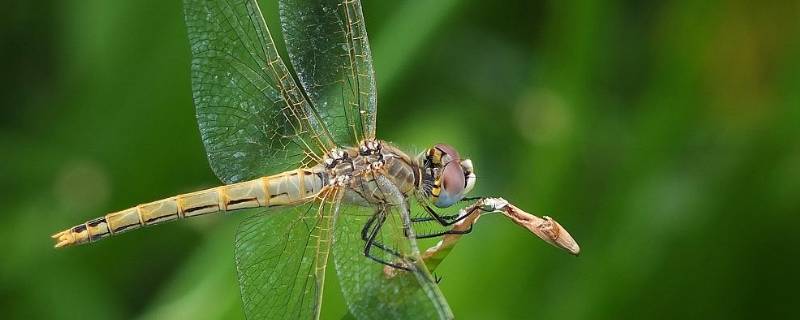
(456, 219)
(366, 231)
(445, 220)
(439, 234)
(437, 278)
(426, 219)
(370, 235)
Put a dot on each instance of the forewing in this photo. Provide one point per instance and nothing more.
(281, 259)
(253, 118)
(374, 291)
(329, 50)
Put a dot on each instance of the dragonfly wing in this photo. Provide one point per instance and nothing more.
(281, 259)
(373, 290)
(253, 118)
(329, 50)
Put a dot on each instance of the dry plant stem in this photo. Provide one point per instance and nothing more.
(434, 255)
(545, 228)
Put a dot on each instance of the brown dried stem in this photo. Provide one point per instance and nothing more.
(545, 228)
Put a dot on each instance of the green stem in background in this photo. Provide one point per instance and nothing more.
(206, 287)
(402, 38)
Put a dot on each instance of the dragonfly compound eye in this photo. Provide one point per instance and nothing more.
(452, 183)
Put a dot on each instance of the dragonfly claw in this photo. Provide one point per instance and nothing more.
(437, 278)
(494, 204)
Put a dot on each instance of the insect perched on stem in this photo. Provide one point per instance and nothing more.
(300, 156)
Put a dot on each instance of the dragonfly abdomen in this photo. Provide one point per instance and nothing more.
(284, 189)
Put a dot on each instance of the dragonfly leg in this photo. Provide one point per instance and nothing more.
(449, 220)
(365, 234)
(427, 219)
(370, 237)
(442, 219)
(436, 277)
(367, 226)
(439, 234)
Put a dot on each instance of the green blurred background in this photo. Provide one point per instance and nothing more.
(663, 135)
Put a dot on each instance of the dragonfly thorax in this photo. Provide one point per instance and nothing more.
(357, 169)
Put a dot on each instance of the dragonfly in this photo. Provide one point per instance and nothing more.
(297, 152)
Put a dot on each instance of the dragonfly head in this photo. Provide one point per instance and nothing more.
(446, 176)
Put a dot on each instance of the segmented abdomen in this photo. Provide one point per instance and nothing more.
(288, 188)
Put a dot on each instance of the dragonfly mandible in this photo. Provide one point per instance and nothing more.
(300, 155)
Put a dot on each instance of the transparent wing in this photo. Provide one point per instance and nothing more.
(329, 50)
(373, 290)
(253, 118)
(281, 259)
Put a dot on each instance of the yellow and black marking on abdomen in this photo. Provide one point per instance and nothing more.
(288, 188)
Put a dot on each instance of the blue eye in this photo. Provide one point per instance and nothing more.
(453, 183)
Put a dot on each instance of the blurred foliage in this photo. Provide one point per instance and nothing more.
(663, 135)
